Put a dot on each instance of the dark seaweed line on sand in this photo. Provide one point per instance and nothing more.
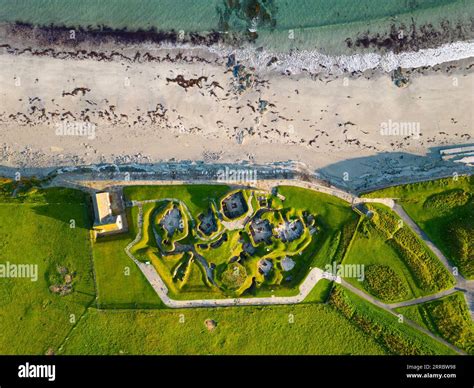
(100, 56)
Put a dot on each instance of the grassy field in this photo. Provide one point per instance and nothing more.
(448, 317)
(346, 325)
(398, 265)
(120, 283)
(444, 209)
(320, 292)
(56, 223)
(371, 250)
(33, 319)
(392, 335)
(428, 272)
(316, 329)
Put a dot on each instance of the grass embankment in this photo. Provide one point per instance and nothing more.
(448, 317)
(336, 218)
(320, 292)
(346, 325)
(198, 198)
(444, 209)
(184, 276)
(45, 319)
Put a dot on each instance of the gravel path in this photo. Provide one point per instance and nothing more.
(389, 308)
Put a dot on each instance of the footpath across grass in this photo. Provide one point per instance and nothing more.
(448, 317)
(385, 275)
(398, 265)
(51, 229)
(392, 334)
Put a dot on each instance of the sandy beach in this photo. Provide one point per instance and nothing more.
(144, 103)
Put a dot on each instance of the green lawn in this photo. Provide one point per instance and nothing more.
(320, 292)
(371, 249)
(32, 318)
(316, 329)
(120, 283)
(448, 317)
(428, 273)
(398, 265)
(444, 209)
(346, 325)
(35, 228)
(222, 254)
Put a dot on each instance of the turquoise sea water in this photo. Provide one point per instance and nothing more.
(316, 23)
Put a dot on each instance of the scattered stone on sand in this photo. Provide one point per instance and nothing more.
(399, 79)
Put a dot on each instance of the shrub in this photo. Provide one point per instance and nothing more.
(341, 302)
(393, 340)
(384, 283)
(446, 200)
(234, 276)
(459, 236)
(452, 320)
(427, 269)
(385, 221)
(345, 238)
(429, 273)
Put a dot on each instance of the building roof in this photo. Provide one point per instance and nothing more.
(287, 264)
(114, 225)
(105, 220)
(102, 207)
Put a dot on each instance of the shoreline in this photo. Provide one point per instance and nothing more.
(154, 103)
(104, 43)
(314, 62)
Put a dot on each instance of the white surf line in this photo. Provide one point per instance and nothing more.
(316, 62)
